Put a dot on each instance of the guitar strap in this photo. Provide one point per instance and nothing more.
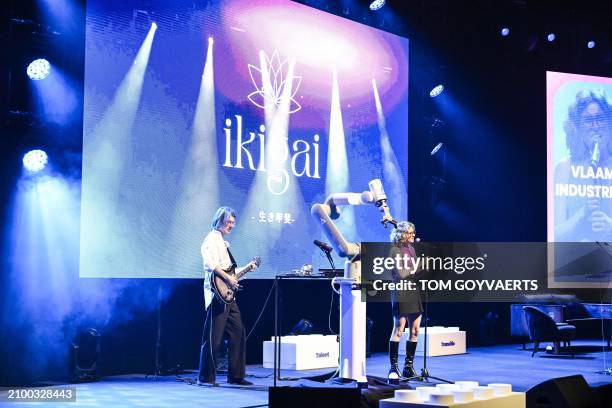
(234, 264)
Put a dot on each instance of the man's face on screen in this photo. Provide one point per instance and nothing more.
(228, 225)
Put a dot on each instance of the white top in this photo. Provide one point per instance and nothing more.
(214, 253)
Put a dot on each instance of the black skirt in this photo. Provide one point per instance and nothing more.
(406, 302)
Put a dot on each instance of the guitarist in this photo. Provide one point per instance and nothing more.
(221, 319)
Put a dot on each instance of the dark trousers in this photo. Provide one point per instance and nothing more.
(222, 319)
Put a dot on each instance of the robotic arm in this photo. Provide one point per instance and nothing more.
(352, 308)
(331, 210)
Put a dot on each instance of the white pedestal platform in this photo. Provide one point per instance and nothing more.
(442, 341)
(303, 352)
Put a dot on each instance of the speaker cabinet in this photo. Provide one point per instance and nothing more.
(298, 397)
(562, 392)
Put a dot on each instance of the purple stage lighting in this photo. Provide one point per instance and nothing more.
(551, 37)
(505, 31)
(35, 160)
(591, 44)
(39, 69)
(437, 90)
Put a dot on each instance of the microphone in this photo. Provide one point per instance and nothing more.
(417, 239)
(595, 154)
(323, 246)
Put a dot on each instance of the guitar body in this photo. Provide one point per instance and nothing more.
(222, 290)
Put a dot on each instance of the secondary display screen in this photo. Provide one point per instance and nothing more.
(579, 158)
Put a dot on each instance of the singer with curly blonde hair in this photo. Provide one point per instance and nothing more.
(407, 308)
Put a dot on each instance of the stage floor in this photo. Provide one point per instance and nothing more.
(505, 364)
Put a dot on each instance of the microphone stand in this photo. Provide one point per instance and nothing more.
(424, 372)
(607, 370)
(330, 259)
(595, 157)
(157, 371)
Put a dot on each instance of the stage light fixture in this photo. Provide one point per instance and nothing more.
(591, 44)
(303, 327)
(436, 149)
(551, 37)
(436, 90)
(377, 5)
(505, 31)
(38, 69)
(84, 354)
(35, 160)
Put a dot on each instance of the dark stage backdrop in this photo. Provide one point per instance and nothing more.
(264, 106)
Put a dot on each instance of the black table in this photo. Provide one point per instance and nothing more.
(277, 336)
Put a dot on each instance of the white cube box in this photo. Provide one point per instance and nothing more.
(303, 352)
(462, 394)
(442, 341)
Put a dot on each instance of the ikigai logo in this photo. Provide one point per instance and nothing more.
(269, 149)
(272, 81)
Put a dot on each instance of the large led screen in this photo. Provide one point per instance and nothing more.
(263, 106)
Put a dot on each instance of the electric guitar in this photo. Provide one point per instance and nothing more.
(222, 290)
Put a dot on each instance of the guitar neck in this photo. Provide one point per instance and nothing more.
(240, 273)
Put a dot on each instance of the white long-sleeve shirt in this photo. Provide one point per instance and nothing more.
(214, 253)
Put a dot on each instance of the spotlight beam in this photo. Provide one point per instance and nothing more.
(199, 179)
(392, 172)
(105, 153)
(274, 190)
(337, 174)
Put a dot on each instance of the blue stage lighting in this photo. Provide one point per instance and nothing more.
(35, 160)
(377, 4)
(591, 44)
(437, 90)
(39, 69)
(505, 31)
(551, 37)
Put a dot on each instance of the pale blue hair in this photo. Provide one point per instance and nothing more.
(222, 214)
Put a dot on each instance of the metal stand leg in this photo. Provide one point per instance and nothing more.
(424, 372)
(276, 338)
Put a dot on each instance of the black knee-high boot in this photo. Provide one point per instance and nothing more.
(394, 375)
(408, 370)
